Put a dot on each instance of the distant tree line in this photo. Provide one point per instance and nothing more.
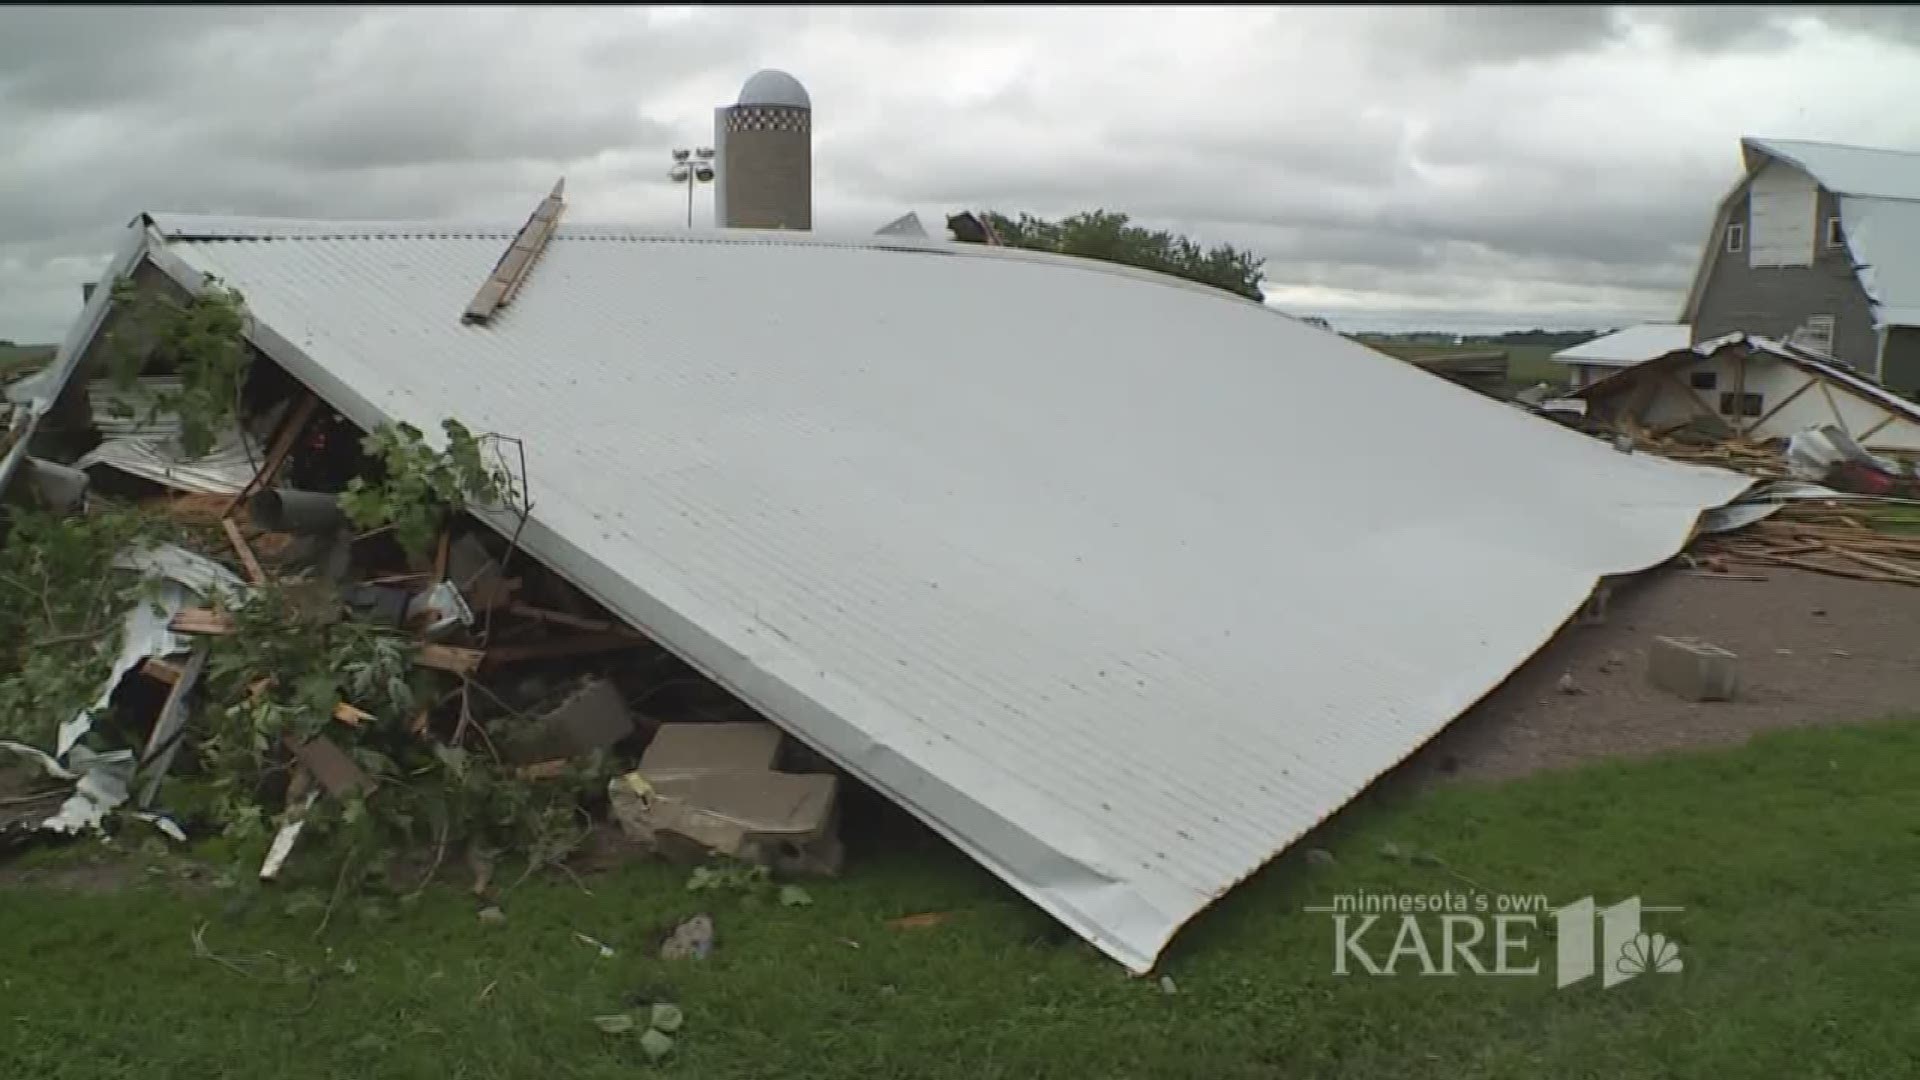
(1109, 236)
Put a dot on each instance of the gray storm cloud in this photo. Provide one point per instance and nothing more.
(1523, 163)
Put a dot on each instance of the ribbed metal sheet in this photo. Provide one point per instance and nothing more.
(1633, 345)
(1121, 584)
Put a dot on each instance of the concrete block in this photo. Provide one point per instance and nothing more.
(763, 817)
(592, 717)
(731, 747)
(1692, 669)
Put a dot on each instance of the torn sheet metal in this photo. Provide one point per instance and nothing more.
(164, 740)
(148, 447)
(100, 784)
(186, 580)
(1076, 601)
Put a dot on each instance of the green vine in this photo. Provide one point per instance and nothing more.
(420, 486)
(202, 339)
(61, 616)
(279, 676)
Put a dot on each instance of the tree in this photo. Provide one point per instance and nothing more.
(1102, 234)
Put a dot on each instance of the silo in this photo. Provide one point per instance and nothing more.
(765, 149)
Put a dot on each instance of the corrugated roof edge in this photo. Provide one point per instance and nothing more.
(207, 228)
(1793, 354)
(1782, 150)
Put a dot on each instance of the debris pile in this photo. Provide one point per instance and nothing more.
(358, 659)
(1823, 536)
(1826, 504)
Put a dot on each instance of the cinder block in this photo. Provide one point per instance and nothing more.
(1692, 669)
(728, 747)
(592, 717)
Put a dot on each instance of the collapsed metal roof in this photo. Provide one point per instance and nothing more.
(1122, 596)
(1631, 345)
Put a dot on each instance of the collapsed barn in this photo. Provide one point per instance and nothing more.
(1113, 601)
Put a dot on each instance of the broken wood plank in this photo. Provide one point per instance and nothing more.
(451, 658)
(573, 622)
(247, 560)
(1726, 575)
(162, 670)
(440, 557)
(1889, 566)
(201, 621)
(501, 285)
(1820, 568)
(573, 646)
(283, 441)
(330, 766)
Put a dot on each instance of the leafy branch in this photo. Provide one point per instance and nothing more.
(201, 338)
(420, 486)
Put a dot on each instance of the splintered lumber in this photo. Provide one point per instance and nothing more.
(247, 559)
(512, 268)
(573, 646)
(1886, 565)
(451, 658)
(201, 621)
(561, 618)
(283, 441)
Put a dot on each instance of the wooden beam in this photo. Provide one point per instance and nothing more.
(1740, 394)
(1786, 401)
(283, 441)
(1699, 403)
(254, 573)
(572, 622)
(1875, 429)
(449, 658)
(500, 286)
(440, 657)
(573, 646)
(1839, 421)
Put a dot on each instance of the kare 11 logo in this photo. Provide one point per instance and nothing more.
(1480, 934)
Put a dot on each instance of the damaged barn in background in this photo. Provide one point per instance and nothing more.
(1116, 601)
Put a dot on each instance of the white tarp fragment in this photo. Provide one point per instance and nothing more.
(185, 577)
(100, 784)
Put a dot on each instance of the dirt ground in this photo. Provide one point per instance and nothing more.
(1813, 649)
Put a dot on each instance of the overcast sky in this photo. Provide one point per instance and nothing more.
(1456, 167)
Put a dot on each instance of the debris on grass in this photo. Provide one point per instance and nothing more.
(919, 922)
(691, 940)
(606, 951)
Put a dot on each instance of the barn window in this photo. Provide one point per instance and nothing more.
(1704, 380)
(1736, 237)
(1835, 237)
(1817, 334)
(1750, 404)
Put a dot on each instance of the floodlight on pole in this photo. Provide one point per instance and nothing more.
(692, 172)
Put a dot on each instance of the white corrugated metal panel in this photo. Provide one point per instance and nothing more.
(1122, 597)
(1850, 170)
(1884, 236)
(1629, 346)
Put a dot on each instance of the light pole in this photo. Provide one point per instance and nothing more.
(698, 170)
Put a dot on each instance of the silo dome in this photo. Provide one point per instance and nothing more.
(772, 87)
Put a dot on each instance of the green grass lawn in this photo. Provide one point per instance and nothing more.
(20, 359)
(1796, 859)
(1526, 364)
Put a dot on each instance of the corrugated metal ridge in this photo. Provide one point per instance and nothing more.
(1791, 152)
(205, 228)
